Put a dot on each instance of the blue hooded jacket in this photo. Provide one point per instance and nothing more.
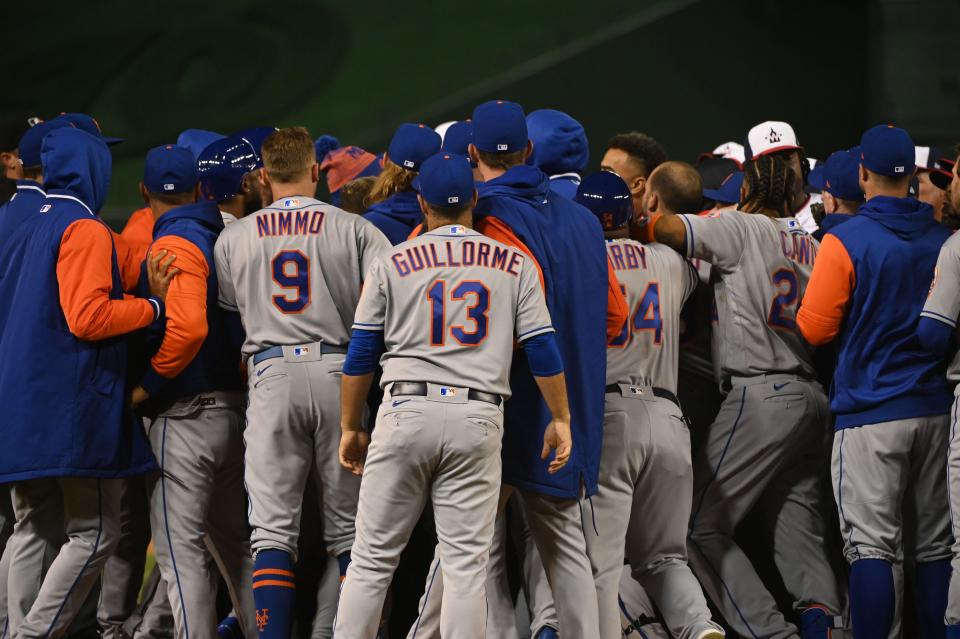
(216, 366)
(568, 243)
(396, 216)
(882, 372)
(560, 149)
(829, 222)
(24, 204)
(63, 398)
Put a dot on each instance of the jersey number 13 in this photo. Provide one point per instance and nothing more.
(474, 330)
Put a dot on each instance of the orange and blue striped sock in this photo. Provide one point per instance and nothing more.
(273, 593)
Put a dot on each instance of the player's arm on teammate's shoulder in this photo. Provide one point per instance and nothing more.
(536, 335)
(186, 326)
(85, 278)
(363, 356)
(828, 293)
(717, 238)
(938, 319)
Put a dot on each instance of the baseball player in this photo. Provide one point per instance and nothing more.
(633, 156)
(393, 203)
(560, 149)
(63, 318)
(646, 480)
(444, 307)
(841, 191)
(890, 399)
(936, 331)
(228, 170)
(294, 271)
(195, 406)
(779, 138)
(767, 445)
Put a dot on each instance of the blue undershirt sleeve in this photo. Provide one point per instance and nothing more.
(543, 355)
(934, 336)
(364, 352)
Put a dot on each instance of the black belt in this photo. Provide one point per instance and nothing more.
(420, 389)
(657, 392)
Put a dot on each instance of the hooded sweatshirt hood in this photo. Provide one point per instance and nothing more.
(907, 217)
(559, 142)
(204, 212)
(523, 182)
(78, 164)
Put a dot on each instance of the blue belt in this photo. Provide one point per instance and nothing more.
(277, 351)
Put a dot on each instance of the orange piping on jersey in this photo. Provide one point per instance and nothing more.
(617, 309)
(828, 293)
(417, 230)
(85, 279)
(186, 307)
(497, 229)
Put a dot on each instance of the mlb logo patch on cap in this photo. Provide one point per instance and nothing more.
(169, 187)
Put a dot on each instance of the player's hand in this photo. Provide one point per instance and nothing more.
(557, 438)
(353, 450)
(160, 273)
(138, 396)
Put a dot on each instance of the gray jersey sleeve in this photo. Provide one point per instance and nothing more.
(372, 244)
(372, 308)
(533, 318)
(228, 294)
(718, 238)
(943, 303)
(690, 278)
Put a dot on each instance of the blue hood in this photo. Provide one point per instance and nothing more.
(522, 182)
(559, 142)
(402, 206)
(204, 212)
(907, 217)
(78, 164)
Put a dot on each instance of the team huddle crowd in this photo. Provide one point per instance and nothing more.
(473, 327)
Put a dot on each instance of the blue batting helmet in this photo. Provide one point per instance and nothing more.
(222, 165)
(608, 197)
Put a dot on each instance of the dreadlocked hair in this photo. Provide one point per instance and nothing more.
(392, 179)
(804, 165)
(768, 182)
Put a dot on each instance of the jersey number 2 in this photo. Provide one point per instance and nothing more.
(476, 312)
(646, 317)
(783, 307)
(291, 271)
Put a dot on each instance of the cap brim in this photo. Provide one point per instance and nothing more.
(113, 141)
(416, 183)
(785, 147)
(718, 196)
(941, 179)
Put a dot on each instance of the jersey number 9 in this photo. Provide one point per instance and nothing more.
(291, 271)
(479, 295)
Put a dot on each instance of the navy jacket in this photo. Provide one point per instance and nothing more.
(882, 372)
(216, 366)
(396, 216)
(568, 243)
(64, 399)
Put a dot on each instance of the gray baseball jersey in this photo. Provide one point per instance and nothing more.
(656, 282)
(294, 270)
(446, 302)
(943, 303)
(763, 265)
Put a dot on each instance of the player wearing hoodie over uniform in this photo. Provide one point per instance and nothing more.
(560, 149)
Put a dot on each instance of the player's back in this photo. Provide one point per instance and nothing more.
(455, 302)
(294, 271)
(764, 265)
(656, 281)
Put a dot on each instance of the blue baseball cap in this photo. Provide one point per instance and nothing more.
(222, 165)
(729, 190)
(32, 140)
(197, 140)
(445, 179)
(841, 176)
(608, 198)
(500, 127)
(458, 137)
(888, 150)
(412, 144)
(170, 169)
(88, 124)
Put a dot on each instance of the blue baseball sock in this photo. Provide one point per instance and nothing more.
(229, 628)
(953, 632)
(872, 598)
(344, 560)
(273, 593)
(546, 632)
(933, 581)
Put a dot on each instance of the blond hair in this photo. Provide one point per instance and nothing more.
(288, 154)
(392, 179)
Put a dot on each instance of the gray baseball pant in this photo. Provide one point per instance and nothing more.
(642, 509)
(293, 426)
(953, 486)
(156, 616)
(767, 447)
(638, 617)
(447, 447)
(501, 616)
(7, 520)
(198, 496)
(123, 573)
(90, 516)
(891, 494)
